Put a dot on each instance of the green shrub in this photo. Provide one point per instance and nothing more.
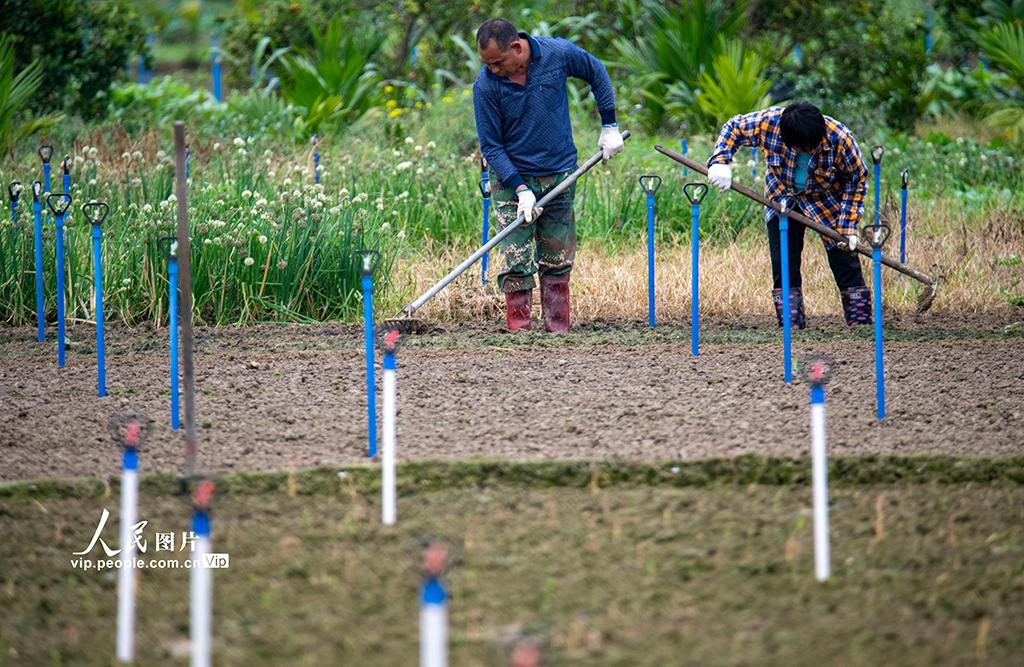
(82, 47)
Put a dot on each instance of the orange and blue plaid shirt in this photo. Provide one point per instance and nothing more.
(837, 180)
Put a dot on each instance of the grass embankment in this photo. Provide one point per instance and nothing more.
(609, 565)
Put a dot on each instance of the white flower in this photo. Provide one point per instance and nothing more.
(207, 241)
(246, 194)
(239, 141)
(400, 235)
(92, 181)
(93, 152)
(160, 155)
(418, 149)
(249, 261)
(394, 213)
(344, 192)
(126, 281)
(267, 153)
(431, 144)
(963, 161)
(419, 171)
(385, 227)
(126, 156)
(402, 166)
(282, 265)
(287, 183)
(216, 147)
(136, 155)
(79, 160)
(410, 140)
(148, 208)
(217, 223)
(263, 239)
(172, 198)
(242, 152)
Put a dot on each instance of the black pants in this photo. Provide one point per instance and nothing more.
(845, 265)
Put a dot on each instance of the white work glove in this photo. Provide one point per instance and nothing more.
(851, 243)
(720, 176)
(528, 205)
(610, 142)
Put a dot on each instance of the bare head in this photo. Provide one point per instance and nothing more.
(803, 126)
(501, 48)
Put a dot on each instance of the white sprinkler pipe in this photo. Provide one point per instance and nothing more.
(433, 625)
(389, 408)
(201, 610)
(126, 577)
(819, 472)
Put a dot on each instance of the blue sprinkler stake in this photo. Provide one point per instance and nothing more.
(929, 22)
(876, 157)
(45, 154)
(215, 67)
(66, 169)
(367, 263)
(485, 192)
(63, 202)
(433, 610)
(96, 212)
(878, 234)
(129, 431)
(787, 361)
(653, 182)
(695, 192)
(37, 237)
(816, 371)
(316, 159)
(169, 245)
(13, 190)
(905, 178)
(684, 147)
(188, 161)
(753, 158)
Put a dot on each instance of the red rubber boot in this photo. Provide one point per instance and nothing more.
(554, 302)
(517, 309)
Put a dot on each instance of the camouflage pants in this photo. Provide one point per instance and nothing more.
(548, 244)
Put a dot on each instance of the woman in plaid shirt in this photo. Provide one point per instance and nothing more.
(814, 163)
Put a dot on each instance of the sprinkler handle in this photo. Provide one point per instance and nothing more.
(876, 154)
(695, 192)
(655, 182)
(101, 208)
(62, 198)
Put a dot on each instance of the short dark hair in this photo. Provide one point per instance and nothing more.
(802, 125)
(500, 30)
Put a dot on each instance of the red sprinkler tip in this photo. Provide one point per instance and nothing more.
(817, 372)
(434, 560)
(391, 339)
(132, 430)
(203, 495)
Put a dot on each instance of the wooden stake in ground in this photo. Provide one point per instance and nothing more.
(185, 284)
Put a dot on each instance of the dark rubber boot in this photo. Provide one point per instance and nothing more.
(554, 302)
(857, 305)
(797, 318)
(517, 309)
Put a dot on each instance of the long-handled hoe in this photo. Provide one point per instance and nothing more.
(406, 323)
(931, 285)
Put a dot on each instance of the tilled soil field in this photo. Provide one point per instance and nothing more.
(275, 397)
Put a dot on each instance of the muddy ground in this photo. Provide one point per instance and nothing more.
(923, 574)
(274, 397)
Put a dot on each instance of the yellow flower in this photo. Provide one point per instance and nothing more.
(391, 104)
(389, 88)
(447, 99)
(419, 105)
(395, 113)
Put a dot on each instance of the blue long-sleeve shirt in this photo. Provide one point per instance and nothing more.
(525, 130)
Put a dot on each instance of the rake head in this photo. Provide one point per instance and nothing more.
(927, 296)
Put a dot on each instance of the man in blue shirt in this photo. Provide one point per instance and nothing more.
(522, 119)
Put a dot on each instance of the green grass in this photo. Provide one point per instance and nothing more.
(607, 565)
